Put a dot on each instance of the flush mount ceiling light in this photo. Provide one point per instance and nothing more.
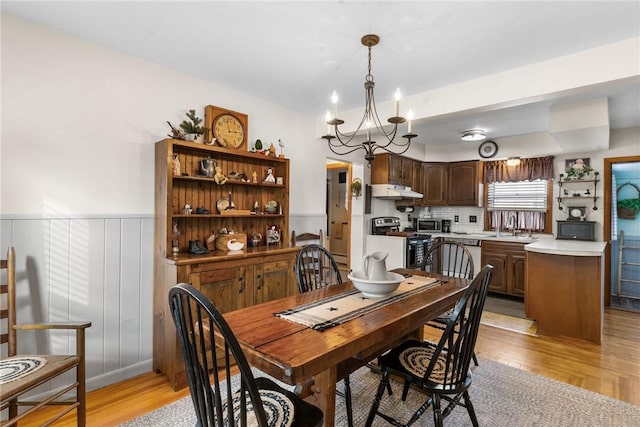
(513, 161)
(473, 135)
(344, 143)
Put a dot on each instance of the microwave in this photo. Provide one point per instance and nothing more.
(576, 230)
(428, 225)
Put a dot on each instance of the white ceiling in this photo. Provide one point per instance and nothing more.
(296, 53)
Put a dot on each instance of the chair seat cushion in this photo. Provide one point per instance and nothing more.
(412, 358)
(53, 366)
(282, 407)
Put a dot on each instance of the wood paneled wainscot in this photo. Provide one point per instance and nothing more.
(564, 288)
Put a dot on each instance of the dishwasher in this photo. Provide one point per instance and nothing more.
(473, 245)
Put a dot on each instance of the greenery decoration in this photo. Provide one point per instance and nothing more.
(356, 187)
(193, 126)
(631, 204)
(578, 173)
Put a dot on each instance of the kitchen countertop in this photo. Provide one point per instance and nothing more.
(567, 247)
(503, 237)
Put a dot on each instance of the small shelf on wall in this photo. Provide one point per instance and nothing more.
(590, 192)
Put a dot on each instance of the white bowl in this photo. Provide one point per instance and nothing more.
(375, 288)
(234, 245)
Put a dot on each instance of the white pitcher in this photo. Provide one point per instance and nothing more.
(375, 265)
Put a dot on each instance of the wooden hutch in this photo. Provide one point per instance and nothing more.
(232, 280)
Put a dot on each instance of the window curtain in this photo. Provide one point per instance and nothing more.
(528, 170)
(517, 220)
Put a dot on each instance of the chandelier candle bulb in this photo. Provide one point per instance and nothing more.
(396, 110)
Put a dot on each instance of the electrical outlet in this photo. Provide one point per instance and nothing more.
(456, 218)
(473, 218)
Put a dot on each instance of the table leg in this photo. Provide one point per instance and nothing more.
(324, 394)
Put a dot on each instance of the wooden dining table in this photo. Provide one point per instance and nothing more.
(315, 360)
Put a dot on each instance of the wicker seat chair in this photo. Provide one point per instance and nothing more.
(440, 370)
(316, 268)
(30, 371)
(450, 259)
(254, 401)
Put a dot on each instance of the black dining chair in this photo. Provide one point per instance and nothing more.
(440, 370)
(450, 259)
(210, 349)
(315, 269)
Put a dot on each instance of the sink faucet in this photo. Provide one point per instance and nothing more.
(512, 225)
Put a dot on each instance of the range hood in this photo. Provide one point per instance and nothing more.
(393, 192)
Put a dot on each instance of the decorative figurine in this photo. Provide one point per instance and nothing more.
(270, 177)
(187, 209)
(272, 151)
(176, 165)
(254, 177)
(281, 144)
(219, 177)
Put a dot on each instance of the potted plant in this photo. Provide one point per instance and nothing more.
(628, 208)
(192, 129)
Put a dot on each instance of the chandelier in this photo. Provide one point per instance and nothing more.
(342, 143)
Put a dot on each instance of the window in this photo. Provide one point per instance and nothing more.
(521, 205)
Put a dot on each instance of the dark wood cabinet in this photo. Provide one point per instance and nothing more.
(434, 184)
(462, 184)
(392, 169)
(508, 261)
(232, 281)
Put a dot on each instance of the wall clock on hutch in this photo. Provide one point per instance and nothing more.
(230, 128)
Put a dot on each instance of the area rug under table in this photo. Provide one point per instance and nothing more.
(502, 396)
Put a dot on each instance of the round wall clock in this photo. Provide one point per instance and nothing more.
(229, 128)
(228, 131)
(488, 149)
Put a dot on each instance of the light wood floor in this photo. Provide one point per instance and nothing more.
(612, 369)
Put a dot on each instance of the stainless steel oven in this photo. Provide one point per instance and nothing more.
(417, 248)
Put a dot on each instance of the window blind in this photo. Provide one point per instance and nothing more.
(518, 196)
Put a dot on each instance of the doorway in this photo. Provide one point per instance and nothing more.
(338, 209)
(626, 295)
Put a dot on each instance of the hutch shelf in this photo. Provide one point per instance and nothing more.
(232, 280)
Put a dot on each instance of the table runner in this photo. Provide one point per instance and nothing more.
(337, 309)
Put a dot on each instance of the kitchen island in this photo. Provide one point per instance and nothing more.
(564, 287)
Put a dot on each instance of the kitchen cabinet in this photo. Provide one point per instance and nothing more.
(232, 281)
(418, 181)
(434, 184)
(565, 292)
(508, 261)
(392, 169)
(462, 184)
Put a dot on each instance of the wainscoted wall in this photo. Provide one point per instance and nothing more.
(98, 269)
(93, 268)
